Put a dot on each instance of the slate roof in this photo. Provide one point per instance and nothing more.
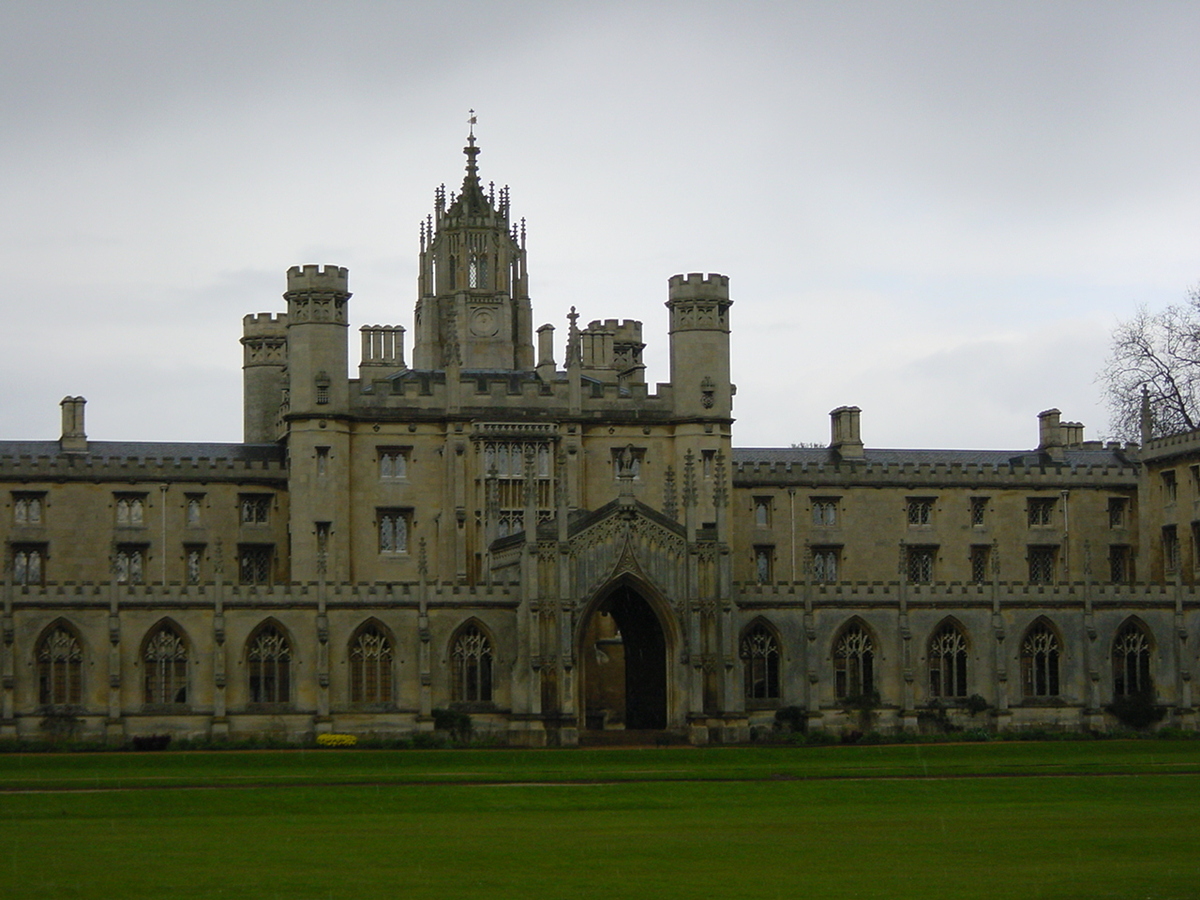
(1103, 456)
(147, 450)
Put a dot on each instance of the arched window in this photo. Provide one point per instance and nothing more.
(166, 660)
(1040, 653)
(477, 270)
(471, 655)
(760, 663)
(854, 663)
(948, 662)
(370, 665)
(270, 659)
(1131, 661)
(60, 667)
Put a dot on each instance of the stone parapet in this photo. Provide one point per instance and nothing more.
(867, 473)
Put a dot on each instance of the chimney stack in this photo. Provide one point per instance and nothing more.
(74, 438)
(845, 438)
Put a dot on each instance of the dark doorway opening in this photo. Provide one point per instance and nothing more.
(625, 659)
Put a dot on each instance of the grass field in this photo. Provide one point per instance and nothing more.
(1089, 820)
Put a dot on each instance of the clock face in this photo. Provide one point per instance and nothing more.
(484, 323)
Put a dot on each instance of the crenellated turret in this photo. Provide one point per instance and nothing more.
(316, 339)
(699, 308)
(264, 363)
(473, 287)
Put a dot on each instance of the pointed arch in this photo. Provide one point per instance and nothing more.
(164, 653)
(371, 651)
(854, 660)
(947, 660)
(641, 585)
(1041, 651)
(472, 662)
(58, 655)
(759, 649)
(269, 664)
(1131, 649)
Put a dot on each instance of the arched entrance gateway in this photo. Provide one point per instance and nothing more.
(624, 654)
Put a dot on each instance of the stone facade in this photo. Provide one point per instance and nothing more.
(558, 549)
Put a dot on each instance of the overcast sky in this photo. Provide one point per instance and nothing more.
(934, 211)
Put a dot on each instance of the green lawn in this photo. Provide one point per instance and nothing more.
(1120, 820)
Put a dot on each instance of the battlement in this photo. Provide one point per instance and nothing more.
(318, 278)
(620, 329)
(695, 286)
(947, 593)
(264, 323)
(145, 462)
(905, 474)
(1172, 444)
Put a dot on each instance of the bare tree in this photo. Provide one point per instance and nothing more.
(1152, 375)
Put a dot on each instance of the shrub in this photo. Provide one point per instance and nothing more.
(454, 721)
(336, 740)
(150, 742)
(1137, 711)
(975, 704)
(792, 719)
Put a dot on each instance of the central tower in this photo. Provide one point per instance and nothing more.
(473, 308)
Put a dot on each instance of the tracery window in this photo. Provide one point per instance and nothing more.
(131, 510)
(1040, 653)
(60, 668)
(129, 563)
(393, 530)
(760, 663)
(393, 462)
(978, 511)
(256, 508)
(1040, 512)
(504, 469)
(471, 657)
(371, 666)
(920, 564)
(1041, 565)
(166, 660)
(920, 511)
(948, 662)
(27, 508)
(853, 663)
(824, 512)
(28, 563)
(269, 655)
(825, 564)
(1131, 662)
(254, 563)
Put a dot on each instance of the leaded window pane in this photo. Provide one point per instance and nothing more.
(60, 669)
(166, 660)
(1039, 662)
(269, 656)
(472, 660)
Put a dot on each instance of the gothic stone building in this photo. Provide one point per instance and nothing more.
(561, 549)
